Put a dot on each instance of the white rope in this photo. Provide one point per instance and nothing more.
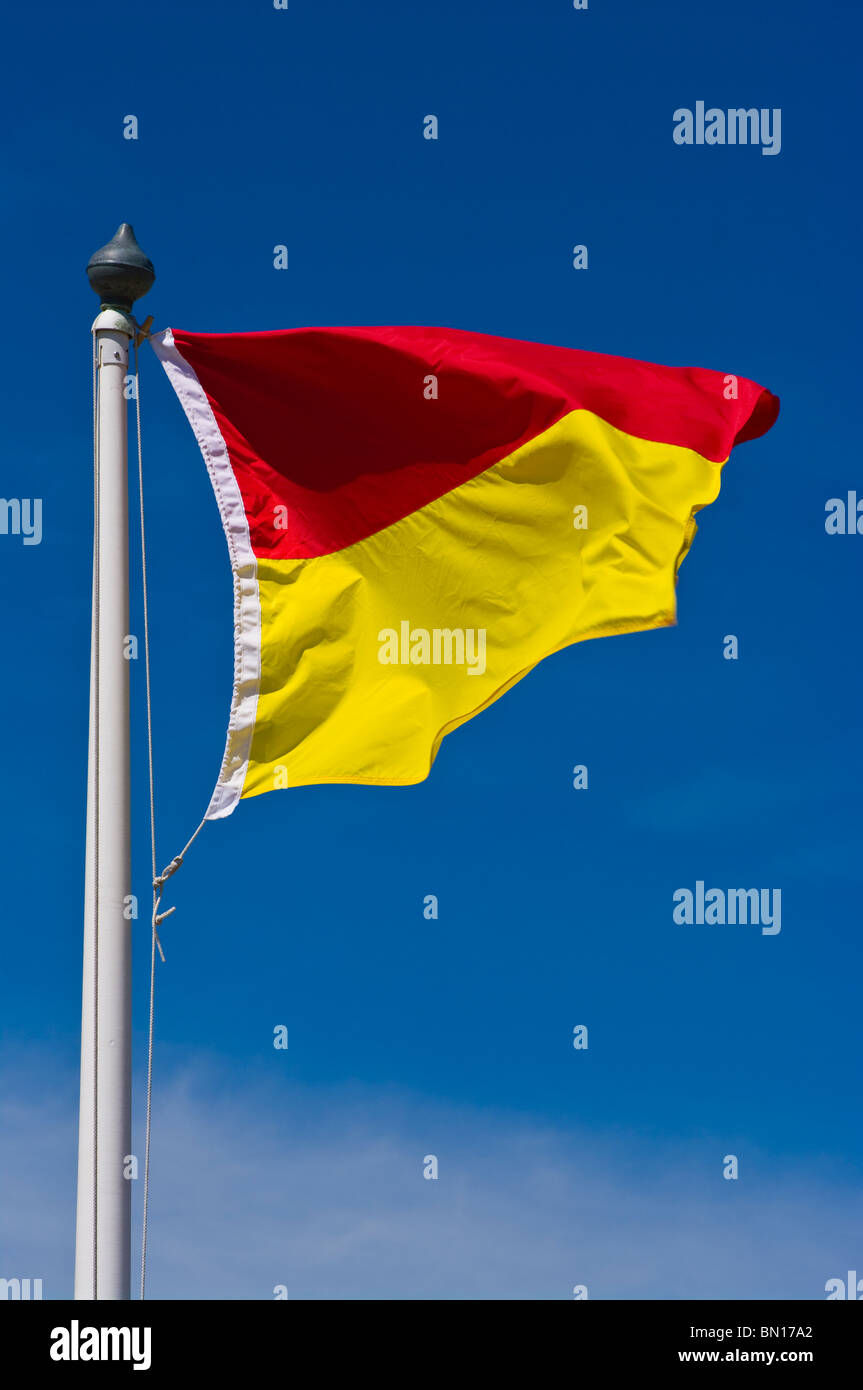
(154, 938)
(158, 880)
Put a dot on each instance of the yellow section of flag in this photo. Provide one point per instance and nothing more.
(372, 654)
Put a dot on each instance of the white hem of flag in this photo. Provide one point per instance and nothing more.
(247, 602)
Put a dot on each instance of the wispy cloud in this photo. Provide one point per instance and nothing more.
(260, 1183)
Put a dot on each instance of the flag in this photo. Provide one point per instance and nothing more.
(417, 516)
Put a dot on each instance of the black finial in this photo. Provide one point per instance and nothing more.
(119, 272)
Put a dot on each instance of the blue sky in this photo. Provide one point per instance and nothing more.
(408, 1037)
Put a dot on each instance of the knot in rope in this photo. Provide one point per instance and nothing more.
(166, 873)
(158, 885)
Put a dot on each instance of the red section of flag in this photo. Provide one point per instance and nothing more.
(336, 424)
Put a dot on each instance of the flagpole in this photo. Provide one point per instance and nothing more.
(119, 273)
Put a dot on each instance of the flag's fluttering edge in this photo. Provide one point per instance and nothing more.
(417, 516)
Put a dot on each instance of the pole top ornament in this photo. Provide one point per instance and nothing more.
(119, 272)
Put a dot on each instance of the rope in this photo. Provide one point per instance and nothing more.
(95, 883)
(159, 880)
(154, 939)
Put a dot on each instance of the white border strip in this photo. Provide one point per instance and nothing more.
(247, 603)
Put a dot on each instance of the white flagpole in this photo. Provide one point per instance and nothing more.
(119, 273)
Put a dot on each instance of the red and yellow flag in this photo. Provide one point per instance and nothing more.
(417, 516)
